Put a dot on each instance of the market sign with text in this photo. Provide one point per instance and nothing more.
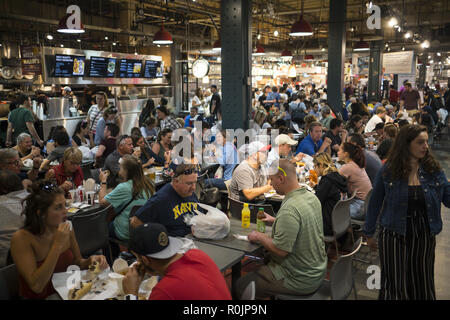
(31, 60)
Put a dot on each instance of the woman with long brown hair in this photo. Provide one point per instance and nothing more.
(135, 190)
(46, 244)
(357, 178)
(408, 193)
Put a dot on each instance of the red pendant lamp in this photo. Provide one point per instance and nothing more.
(286, 54)
(301, 28)
(361, 45)
(162, 36)
(308, 57)
(217, 46)
(259, 50)
(63, 28)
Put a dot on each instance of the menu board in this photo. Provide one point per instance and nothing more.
(130, 68)
(67, 66)
(101, 67)
(153, 69)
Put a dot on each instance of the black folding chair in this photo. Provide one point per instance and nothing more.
(9, 283)
(92, 233)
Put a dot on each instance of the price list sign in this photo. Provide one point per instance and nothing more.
(69, 66)
(130, 68)
(31, 60)
(102, 67)
(152, 69)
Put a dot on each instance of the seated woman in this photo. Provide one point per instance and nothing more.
(163, 145)
(355, 124)
(330, 188)
(46, 244)
(356, 175)
(135, 190)
(68, 174)
(79, 138)
(147, 156)
(25, 147)
(62, 142)
(149, 130)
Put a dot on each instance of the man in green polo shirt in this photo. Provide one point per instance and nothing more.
(298, 260)
(21, 120)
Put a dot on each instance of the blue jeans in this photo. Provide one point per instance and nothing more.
(357, 209)
(218, 183)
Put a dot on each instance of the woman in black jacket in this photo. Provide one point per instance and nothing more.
(330, 188)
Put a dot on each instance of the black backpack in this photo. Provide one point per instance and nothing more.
(298, 115)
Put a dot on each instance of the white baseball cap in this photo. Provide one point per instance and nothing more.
(285, 139)
(68, 89)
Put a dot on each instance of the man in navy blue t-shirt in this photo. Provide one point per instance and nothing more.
(171, 203)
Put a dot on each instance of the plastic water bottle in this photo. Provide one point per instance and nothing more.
(260, 225)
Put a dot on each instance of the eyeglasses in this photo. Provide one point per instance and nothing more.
(284, 172)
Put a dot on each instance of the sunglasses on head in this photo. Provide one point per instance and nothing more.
(49, 187)
(186, 172)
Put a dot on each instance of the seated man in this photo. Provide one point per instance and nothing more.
(9, 160)
(191, 117)
(378, 117)
(313, 143)
(282, 149)
(12, 195)
(192, 275)
(171, 203)
(68, 173)
(337, 134)
(249, 181)
(124, 146)
(298, 261)
(62, 142)
(107, 145)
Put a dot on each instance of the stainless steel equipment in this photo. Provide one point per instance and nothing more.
(58, 108)
(129, 111)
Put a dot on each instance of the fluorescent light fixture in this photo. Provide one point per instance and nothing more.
(49, 37)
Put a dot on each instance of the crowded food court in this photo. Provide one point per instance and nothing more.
(224, 150)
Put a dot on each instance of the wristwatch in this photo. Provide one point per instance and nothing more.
(131, 297)
(103, 183)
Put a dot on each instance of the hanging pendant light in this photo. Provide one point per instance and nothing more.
(286, 54)
(162, 36)
(362, 46)
(301, 28)
(309, 57)
(259, 50)
(217, 46)
(71, 22)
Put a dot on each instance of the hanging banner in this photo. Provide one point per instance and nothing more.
(31, 60)
(399, 62)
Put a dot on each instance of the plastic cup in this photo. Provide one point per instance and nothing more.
(73, 195)
(118, 278)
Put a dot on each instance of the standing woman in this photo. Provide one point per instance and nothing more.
(46, 244)
(357, 178)
(408, 193)
(108, 116)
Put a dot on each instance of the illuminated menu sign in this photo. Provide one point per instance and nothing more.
(153, 69)
(130, 68)
(69, 66)
(101, 67)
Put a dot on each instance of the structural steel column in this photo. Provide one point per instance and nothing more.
(336, 54)
(422, 76)
(235, 20)
(375, 70)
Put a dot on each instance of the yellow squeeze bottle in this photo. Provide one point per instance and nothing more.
(245, 216)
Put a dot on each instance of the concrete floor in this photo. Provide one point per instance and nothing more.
(442, 263)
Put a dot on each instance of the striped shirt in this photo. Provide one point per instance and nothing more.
(94, 115)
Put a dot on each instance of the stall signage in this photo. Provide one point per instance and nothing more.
(398, 62)
(31, 60)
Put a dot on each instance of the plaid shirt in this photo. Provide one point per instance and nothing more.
(169, 123)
